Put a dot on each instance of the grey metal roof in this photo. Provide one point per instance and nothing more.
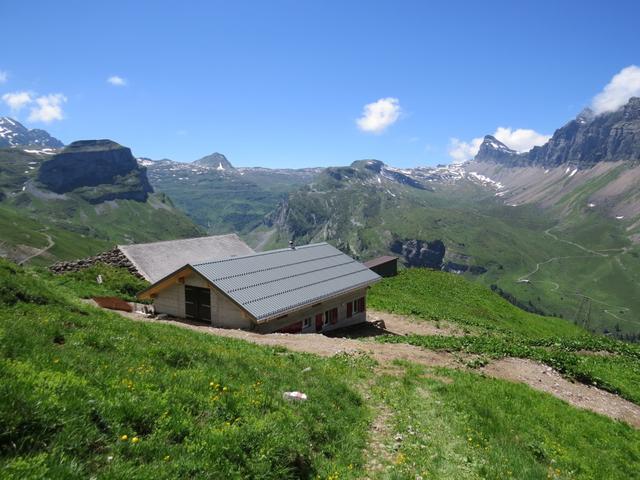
(156, 260)
(269, 284)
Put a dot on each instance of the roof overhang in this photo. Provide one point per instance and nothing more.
(306, 305)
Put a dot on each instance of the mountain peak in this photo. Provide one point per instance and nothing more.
(632, 109)
(98, 170)
(14, 134)
(375, 166)
(585, 116)
(217, 161)
(493, 143)
(493, 150)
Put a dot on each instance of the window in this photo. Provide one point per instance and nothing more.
(359, 305)
(330, 316)
(349, 309)
(306, 323)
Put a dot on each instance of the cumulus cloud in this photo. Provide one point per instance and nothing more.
(520, 139)
(460, 151)
(17, 100)
(3, 76)
(624, 85)
(379, 115)
(47, 108)
(116, 81)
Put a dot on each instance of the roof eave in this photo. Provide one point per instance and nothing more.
(297, 308)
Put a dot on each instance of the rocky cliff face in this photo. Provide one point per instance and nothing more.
(583, 142)
(493, 150)
(419, 253)
(14, 134)
(98, 170)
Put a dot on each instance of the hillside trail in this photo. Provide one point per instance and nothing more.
(592, 253)
(537, 375)
(39, 252)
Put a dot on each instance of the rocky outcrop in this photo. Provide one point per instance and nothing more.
(113, 257)
(583, 142)
(459, 268)
(98, 170)
(14, 134)
(493, 150)
(420, 253)
(217, 161)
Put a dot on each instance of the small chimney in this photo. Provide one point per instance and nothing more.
(291, 245)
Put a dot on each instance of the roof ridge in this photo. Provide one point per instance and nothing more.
(268, 252)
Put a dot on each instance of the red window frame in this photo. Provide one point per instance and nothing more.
(359, 305)
(331, 316)
(349, 309)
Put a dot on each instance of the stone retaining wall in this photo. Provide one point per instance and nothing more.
(113, 257)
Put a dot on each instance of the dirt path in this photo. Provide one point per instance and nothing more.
(39, 252)
(536, 375)
(404, 325)
(546, 379)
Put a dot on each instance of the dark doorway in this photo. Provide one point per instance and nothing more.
(197, 303)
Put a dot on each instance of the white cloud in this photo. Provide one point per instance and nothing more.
(117, 81)
(3, 76)
(460, 151)
(17, 100)
(48, 108)
(624, 85)
(520, 139)
(378, 116)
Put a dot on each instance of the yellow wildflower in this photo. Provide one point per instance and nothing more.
(135, 440)
(124, 438)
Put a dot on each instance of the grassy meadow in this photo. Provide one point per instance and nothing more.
(86, 393)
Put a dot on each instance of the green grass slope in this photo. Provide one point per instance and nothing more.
(30, 215)
(459, 425)
(498, 329)
(86, 393)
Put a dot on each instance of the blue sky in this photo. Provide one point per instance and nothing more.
(282, 83)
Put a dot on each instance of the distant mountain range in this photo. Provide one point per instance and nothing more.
(583, 142)
(220, 197)
(592, 163)
(14, 134)
(551, 228)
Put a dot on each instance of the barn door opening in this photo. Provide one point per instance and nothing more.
(197, 303)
